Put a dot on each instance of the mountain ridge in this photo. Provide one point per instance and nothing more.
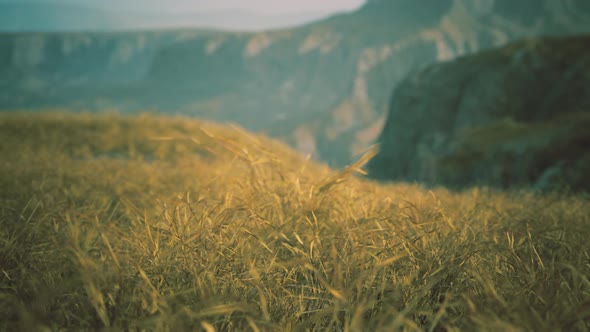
(323, 88)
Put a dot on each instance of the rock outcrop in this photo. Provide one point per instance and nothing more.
(513, 116)
(323, 87)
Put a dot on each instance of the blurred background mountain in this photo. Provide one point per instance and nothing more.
(324, 86)
(516, 115)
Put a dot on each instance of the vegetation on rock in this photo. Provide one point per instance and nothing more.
(511, 116)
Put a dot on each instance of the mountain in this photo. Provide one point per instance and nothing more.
(324, 87)
(58, 17)
(512, 116)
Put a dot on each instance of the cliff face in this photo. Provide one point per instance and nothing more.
(512, 116)
(323, 87)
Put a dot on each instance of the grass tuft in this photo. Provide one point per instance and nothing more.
(146, 223)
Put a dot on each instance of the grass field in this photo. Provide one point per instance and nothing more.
(168, 224)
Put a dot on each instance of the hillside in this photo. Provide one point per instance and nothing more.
(153, 223)
(322, 88)
(512, 116)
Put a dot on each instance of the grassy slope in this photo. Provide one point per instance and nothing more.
(172, 224)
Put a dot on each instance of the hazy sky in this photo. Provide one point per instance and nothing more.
(259, 6)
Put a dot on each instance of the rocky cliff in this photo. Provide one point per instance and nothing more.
(323, 87)
(513, 116)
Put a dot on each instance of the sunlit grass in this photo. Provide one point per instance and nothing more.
(168, 224)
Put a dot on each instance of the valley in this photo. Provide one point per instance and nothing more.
(323, 88)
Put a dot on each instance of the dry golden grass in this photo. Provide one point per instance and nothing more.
(167, 224)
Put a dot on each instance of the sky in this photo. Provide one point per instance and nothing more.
(257, 6)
